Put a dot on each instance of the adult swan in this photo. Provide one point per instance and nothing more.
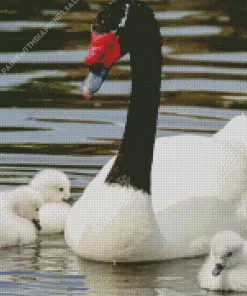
(114, 221)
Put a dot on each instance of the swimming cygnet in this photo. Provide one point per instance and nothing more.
(54, 187)
(226, 267)
(19, 216)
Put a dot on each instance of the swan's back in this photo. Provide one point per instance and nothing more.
(187, 166)
(234, 132)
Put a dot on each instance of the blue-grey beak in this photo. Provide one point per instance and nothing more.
(93, 81)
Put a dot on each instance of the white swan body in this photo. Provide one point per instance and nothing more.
(52, 217)
(187, 166)
(189, 204)
(18, 209)
(202, 176)
(226, 266)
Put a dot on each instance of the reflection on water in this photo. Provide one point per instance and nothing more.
(12, 26)
(190, 70)
(190, 31)
(65, 57)
(44, 268)
(204, 77)
(175, 15)
(56, 126)
(169, 278)
(49, 267)
(9, 81)
(219, 57)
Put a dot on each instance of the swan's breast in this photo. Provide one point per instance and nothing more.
(116, 224)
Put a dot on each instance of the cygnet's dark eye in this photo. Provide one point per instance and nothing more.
(37, 209)
(60, 189)
(229, 254)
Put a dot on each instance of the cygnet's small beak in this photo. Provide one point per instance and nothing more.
(68, 200)
(217, 269)
(36, 224)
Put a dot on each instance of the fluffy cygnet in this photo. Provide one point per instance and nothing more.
(53, 216)
(52, 188)
(19, 216)
(226, 266)
(53, 185)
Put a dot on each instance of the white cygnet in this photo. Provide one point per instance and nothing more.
(52, 188)
(226, 267)
(53, 185)
(52, 217)
(19, 216)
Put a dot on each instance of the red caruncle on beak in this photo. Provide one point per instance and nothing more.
(104, 49)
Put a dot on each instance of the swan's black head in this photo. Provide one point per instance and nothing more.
(112, 37)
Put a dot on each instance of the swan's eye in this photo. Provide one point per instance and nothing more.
(37, 209)
(229, 254)
(61, 189)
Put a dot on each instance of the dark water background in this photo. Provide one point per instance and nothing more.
(44, 122)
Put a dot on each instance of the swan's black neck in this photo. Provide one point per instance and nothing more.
(134, 160)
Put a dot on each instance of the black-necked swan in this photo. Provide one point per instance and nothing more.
(116, 220)
(19, 216)
(226, 267)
